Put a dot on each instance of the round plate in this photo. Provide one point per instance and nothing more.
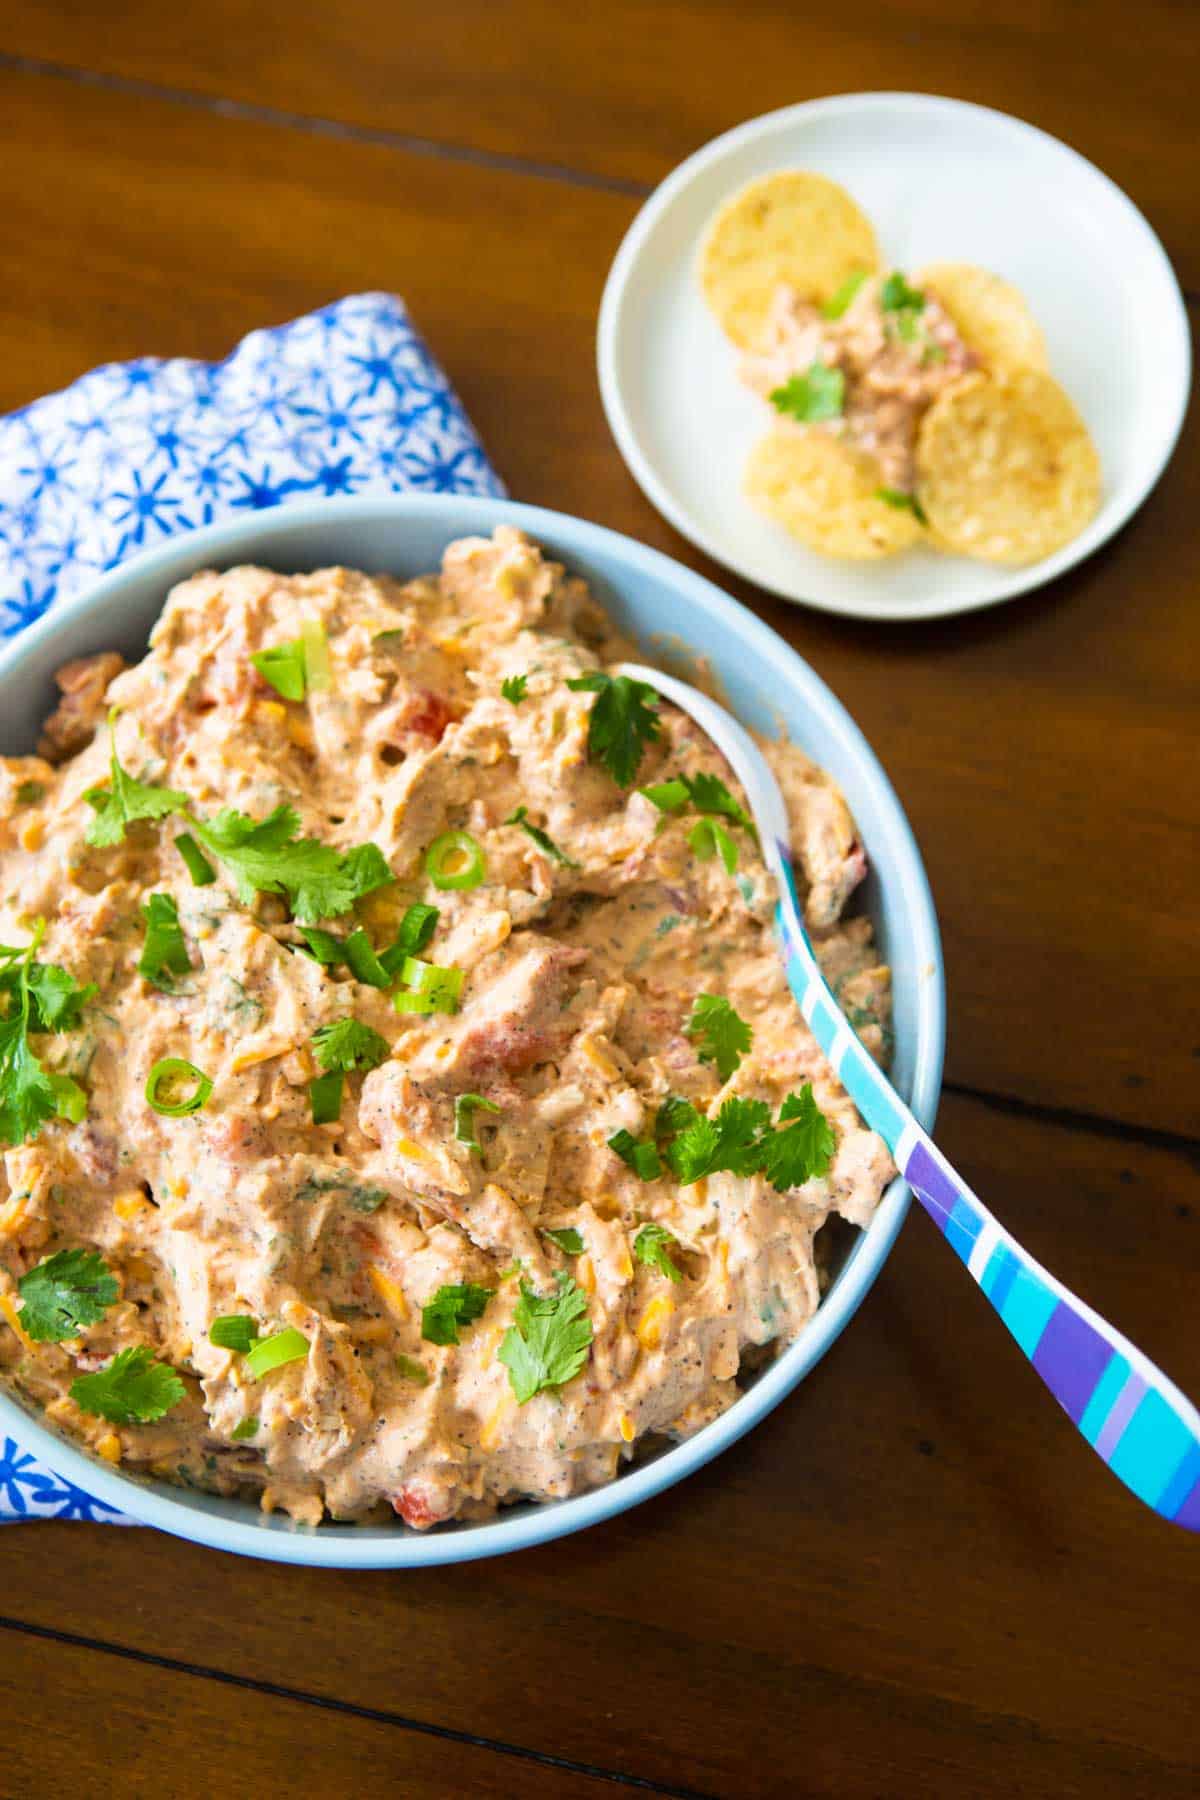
(942, 181)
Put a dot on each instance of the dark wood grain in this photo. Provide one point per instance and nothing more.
(624, 90)
(1044, 751)
(912, 1578)
(108, 1726)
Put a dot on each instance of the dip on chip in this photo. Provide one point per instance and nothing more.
(991, 315)
(1006, 471)
(828, 495)
(795, 228)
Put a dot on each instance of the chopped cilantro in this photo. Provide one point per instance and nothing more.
(266, 856)
(132, 1389)
(803, 1145)
(36, 997)
(349, 1044)
(624, 719)
(126, 800)
(568, 1239)
(452, 1306)
(513, 688)
(710, 795)
(721, 1035)
(896, 296)
(650, 1246)
(817, 395)
(521, 818)
(164, 952)
(549, 1339)
(668, 796)
(732, 1141)
(65, 1294)
(412, 1370)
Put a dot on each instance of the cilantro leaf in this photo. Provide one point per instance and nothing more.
(453, 1305)
(668, 796)
(549, 1339)
(802, 1146)
(706, 838)
(673, 1116)
(568, 1239)
(902, 502)
(521, 818)
(36, 997)
(513, 688)
(266, 856)
(817, 395)
(164, 952)
(839, 303)
(650, 1247)
(126, 800)
(643, 1158)
(132, 1389)
(624, 719)
(896, 296)
(349, 1044)
(56, 998)
(732, 1141)
(65, 1294)
(721, 1035)
(710, 795)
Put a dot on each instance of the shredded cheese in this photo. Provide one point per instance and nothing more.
(10, 1312)
(650, 1327)
(389, 1291)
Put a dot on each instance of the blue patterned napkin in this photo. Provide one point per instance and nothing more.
(345, 401)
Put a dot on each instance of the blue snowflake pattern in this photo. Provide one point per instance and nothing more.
(345, 401)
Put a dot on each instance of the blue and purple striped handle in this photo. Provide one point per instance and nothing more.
(1136, 1420)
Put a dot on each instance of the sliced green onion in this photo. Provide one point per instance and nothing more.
(273, 1352)
(282, 666)
(668, 796)
(316, 655)
(433, 981)
(455, 860)
(643, 1159)
(233, 1331)
(362, 961)
(412, 1370)
(168, 1074)
(417, 927)
(328, 950)
(198, 866)
(707, 837)
(840, 301)
(465, 1108)
(247, 1429)
(70, 1100)
(415, 1003)
(325, 1097)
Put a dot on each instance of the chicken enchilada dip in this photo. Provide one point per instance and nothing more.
(401, 1099)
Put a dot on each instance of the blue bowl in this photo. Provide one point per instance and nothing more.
(666, 607)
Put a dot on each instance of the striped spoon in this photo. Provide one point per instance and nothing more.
(1136, 1420)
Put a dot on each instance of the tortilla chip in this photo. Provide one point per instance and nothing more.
(825, 494)
(991, 316)
(794, 227)
(1006, 471)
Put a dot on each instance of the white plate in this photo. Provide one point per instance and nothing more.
(942, 181)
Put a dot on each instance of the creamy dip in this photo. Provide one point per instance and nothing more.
(582, 949)
(894, 346)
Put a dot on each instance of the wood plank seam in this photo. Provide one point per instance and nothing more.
(315, 125)
(377, 1715)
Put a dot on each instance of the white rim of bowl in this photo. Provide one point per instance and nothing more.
(1009, 586)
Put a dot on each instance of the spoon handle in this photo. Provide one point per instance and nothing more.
(1135, 1419)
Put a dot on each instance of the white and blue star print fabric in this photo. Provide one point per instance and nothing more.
(347, 400)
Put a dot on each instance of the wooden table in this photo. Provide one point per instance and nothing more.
(913, 1579)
